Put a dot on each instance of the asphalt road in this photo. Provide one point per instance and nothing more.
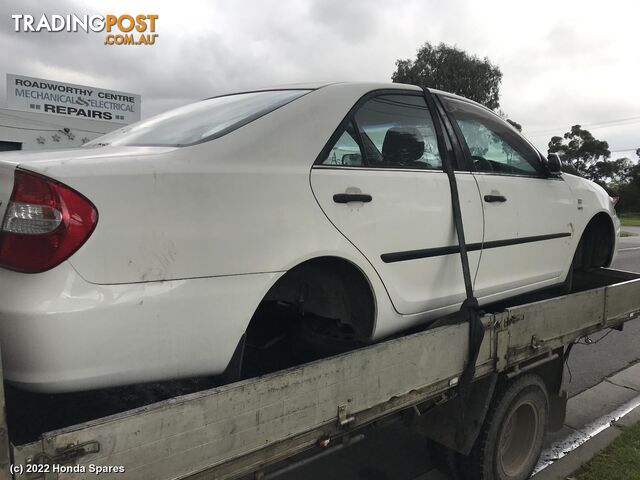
(628, 257)
(395, 453)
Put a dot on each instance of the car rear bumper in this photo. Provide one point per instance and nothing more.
(60, 333)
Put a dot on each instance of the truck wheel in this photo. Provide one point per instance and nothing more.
(510, 442)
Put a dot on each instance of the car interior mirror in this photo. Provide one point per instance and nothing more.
(553, 165)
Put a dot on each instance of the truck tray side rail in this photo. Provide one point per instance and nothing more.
(235, 429)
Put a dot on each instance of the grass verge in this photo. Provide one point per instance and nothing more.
(619, 461)
(630, 219)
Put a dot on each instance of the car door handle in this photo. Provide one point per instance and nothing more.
(351, 197)
(495, 198)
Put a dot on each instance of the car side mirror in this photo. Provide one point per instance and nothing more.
(553, 165)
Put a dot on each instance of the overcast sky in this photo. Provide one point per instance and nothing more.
(564, 62)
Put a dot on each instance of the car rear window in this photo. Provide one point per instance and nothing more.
(199, 122)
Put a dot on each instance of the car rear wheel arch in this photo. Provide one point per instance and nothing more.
(319, 308)
(329, 287)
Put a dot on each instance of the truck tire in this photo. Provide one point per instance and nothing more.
(510, 442)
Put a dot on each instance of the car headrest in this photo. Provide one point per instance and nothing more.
(402, 144)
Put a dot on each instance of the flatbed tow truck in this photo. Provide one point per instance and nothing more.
(260, 427)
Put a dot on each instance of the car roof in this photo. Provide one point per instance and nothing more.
(364, 87)
(318, 85)
(369, 86)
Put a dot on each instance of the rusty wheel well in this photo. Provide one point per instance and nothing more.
(595, 248)
(329, 287)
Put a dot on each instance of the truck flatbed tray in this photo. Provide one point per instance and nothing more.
(233, 430)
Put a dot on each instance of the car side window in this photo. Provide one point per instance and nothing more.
(346, 151)
(397, 132)
(494, 145)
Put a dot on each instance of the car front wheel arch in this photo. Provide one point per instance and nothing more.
(595, 248)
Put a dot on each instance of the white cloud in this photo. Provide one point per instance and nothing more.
(563, 62)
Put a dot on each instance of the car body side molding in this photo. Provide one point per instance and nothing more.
(451, 249)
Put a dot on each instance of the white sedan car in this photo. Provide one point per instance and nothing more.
(167, 248)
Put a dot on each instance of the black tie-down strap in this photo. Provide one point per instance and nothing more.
(469, 314)
(469, 310)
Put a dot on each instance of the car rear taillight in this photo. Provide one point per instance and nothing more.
(44, 224)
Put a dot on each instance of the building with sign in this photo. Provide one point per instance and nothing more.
(45, 114)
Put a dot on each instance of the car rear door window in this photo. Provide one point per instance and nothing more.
(397, 132)
(494, 146)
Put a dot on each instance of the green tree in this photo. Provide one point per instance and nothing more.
(629, 189)
(448, 68)
(580, 151)
(611, 172)
(629, 193)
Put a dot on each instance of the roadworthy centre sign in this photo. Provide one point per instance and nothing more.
(36, 95)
